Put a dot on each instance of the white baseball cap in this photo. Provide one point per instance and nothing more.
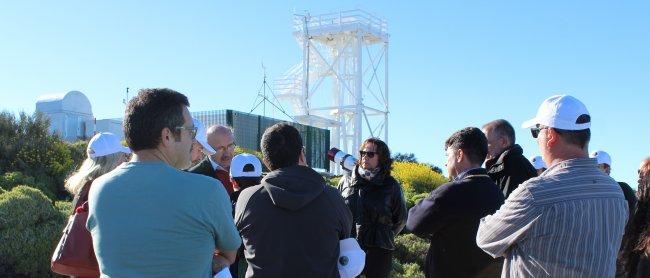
(245, 165)
(105, 143)
(537, 162)
(352, 259)
(202, 137)
(602, 157)
(561, 112)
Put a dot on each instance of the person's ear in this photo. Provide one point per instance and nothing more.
(166, 136)
(552, 137)
(460, 155)
(302, 160)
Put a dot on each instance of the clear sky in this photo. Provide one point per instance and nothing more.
(455, 63)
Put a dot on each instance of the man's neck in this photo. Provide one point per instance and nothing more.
(566, 154)
(463, 172)
(152, 155)
(216, 166)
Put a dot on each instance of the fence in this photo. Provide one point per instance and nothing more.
(248, 130)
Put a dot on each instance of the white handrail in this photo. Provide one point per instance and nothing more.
(341, 19)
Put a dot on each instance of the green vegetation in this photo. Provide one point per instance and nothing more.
(34, 208)
(30, 227)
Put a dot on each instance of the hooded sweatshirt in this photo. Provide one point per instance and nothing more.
(291, 225)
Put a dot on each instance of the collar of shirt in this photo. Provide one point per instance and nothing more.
(464, 174)
(574, 162)
(215, 166)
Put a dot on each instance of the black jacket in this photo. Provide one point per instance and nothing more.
(205, 168)
(450, 216)
(510, 169)
(291, 225)
(630, 196)
(378, 209)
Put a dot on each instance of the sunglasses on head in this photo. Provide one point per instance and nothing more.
(367, 154)
(535, 130)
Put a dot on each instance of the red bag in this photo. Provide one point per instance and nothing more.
(74, 255)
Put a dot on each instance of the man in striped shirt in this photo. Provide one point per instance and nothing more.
(568, 222)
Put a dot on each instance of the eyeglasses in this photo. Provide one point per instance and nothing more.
(229, 147)
(191, 129)
(535, 130)
(367, 154)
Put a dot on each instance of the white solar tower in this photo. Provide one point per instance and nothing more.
(342, 82)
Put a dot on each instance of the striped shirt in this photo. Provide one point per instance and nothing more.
(568, 222)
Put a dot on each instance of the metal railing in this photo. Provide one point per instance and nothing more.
(341, 19)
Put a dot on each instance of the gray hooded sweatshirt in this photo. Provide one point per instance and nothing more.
(291, 225)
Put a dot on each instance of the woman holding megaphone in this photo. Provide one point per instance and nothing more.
(377, 204)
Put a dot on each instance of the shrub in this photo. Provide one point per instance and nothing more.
(408, 270)
(334, 181)
(64, 208)
(30, 228)
(78, 152)
(412, 198)
(411, 249)
(28, 147)
(12, 179)
(416, 177)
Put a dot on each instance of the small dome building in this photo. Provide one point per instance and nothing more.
(70, 115)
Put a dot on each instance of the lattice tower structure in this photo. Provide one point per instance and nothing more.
(342, 82)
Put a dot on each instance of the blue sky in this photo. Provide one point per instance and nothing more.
(457, 63)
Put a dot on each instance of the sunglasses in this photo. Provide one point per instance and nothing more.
(192, 130)
(367, 154)
(535, 131)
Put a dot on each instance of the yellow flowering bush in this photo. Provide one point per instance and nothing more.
(417, 177)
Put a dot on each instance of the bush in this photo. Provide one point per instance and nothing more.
(12, 179)
(28, 147)
(412, 198)
(411, 249)
(416, 177)
(417, 180)
(30, 227)
(334, 181)
(64, 208)
(408, 270)
(78, 152)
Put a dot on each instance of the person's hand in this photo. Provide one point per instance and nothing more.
(219, 263)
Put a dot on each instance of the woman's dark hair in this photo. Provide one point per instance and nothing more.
(636, 240)
(149, 113)
(385, 160)
(281, 146)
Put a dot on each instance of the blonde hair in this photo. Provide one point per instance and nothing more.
(91, 169)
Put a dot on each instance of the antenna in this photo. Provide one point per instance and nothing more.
(125, 100)
(263, 99)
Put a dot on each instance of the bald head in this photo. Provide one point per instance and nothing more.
(217, 130)
(222, 140)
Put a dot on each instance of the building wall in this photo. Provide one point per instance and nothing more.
(110, 125)
(70, 115)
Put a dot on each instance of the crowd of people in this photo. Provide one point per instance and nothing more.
(184, 205)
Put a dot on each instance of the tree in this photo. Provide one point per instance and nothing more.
(28, 147)
(405, 157)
